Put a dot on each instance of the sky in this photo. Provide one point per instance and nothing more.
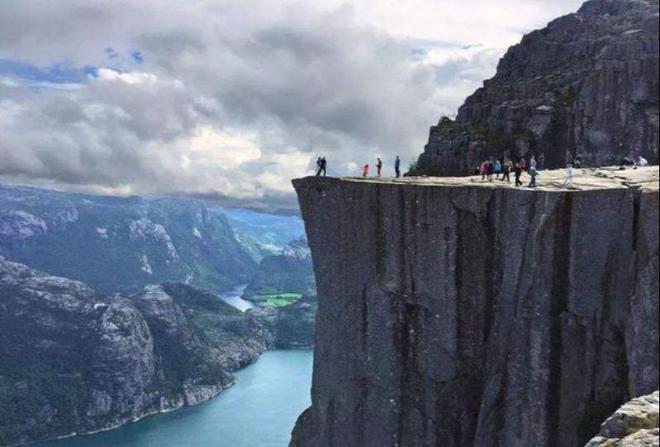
(228, 100)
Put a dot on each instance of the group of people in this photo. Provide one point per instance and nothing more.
(379, 168)
(497, 167)
(322, 167)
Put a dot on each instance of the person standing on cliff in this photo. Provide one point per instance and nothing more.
(482, 170)
(517, 170)
(523, 164)
(323, 165)
(318, 166)
(379, 167)
(568, 179)
(532, 173)
(397, 167)
(506, 172)
(498, 168)
(541, 162)
(365, 170)
(490, 167)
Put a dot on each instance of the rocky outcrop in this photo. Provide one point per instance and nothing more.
(585, 86)
(635, 424)
(291, 326)
(74, 361)
(457, 313)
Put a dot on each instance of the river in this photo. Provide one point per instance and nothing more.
(233, 297)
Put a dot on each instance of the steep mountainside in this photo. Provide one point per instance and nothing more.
(291, 326)
(585, 86)
(263, 234)
(120, 244)
(74, 361)
(289, 272)
(457, 313)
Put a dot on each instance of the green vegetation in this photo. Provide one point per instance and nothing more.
(280, 299)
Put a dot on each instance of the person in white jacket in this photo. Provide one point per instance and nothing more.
(568, 180)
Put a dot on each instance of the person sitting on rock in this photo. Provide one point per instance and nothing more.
(365, 170)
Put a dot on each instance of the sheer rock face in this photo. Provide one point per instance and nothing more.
(635, 424)
(455, 314)
(586, 85)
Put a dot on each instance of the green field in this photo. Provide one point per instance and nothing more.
(281, 299)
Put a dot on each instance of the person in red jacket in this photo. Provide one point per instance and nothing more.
(365, 170)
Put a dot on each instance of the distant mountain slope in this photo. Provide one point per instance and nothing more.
(76, 361)
(263, 234)
(120, 244)
(289, 272)
(584, 86)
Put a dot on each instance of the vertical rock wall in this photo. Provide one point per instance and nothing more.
(473, 316)
(584, 86)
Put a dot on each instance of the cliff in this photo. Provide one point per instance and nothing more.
(74, 361)
(585, 86)
(453, 312)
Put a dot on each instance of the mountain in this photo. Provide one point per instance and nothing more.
(288, 275)
(290, 326)
(586, 87)
(76, 361)
(119, 244)
(263, 234)
(460, 313)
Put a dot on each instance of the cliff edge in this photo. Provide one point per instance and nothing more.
(459, 313)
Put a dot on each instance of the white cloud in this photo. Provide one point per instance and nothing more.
(232, 98)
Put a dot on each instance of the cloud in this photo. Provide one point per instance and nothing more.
(229, 99)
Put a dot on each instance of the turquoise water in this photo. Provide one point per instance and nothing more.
(259, 411)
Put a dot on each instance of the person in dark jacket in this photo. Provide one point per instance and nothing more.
(506, 171)
(397, 167)
(323, 166)
(318, 166)
(379, 167)
(517, 171)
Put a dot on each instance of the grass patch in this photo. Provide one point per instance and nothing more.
(281, 299)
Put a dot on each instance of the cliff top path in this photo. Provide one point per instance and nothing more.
(646, 178)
